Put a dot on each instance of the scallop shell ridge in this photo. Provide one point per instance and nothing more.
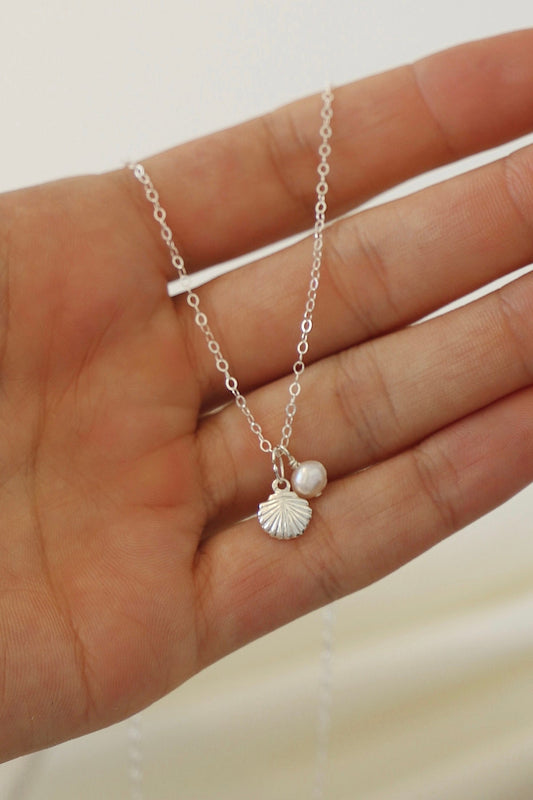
(284, 515)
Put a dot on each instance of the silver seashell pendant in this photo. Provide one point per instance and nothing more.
(284, 515)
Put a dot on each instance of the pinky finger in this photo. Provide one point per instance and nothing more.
(365, 526)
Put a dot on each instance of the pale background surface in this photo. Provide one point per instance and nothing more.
(434, 665)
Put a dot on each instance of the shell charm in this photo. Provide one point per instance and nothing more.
(284, 515)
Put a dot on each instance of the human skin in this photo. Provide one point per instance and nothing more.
(129, 559)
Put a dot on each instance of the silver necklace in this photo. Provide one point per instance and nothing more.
(287, 512)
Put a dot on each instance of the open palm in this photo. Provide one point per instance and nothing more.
(128, 556)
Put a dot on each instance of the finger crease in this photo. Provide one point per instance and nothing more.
(338, 271)
(352, 410)
(512, 177)
(220, 486)
(508, 317)
(426, 470)
(373, 259)
(278, 164)
(325, 563)
(452, 152)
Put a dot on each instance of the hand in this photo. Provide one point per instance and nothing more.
(125, 564)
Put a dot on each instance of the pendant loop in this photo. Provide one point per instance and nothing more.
(278, 454)
(277, 464)
(280, 484)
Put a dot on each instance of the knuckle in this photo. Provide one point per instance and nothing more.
(515, 314)
(517, 169)
(437, 478)
(277, 128)
(372, 300)
(220, 487)
(325, 563)
(450, 149)
(344, 282)
(365, 402)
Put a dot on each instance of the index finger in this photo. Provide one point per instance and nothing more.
(247, 186)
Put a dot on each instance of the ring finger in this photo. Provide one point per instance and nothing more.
(370, 402)
(382, 269)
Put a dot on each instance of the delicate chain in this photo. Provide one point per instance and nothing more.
(200, 317)
(298, 367)
(135, 757)
(325, 696)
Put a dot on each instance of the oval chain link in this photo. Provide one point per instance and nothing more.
(200, 317)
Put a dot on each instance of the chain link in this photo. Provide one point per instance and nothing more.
(200, 317)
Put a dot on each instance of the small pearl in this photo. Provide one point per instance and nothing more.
(309, 479)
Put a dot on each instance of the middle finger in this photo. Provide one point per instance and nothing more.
(382, 269)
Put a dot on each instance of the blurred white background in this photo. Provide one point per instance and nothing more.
(433, 693)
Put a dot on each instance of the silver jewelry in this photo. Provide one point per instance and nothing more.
(286, 513)
(135, 757)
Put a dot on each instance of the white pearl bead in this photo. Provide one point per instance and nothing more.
(309, 479)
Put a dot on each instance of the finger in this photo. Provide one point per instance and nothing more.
(364, 527)
(241, 188)
(382, 269)
(370, 402)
